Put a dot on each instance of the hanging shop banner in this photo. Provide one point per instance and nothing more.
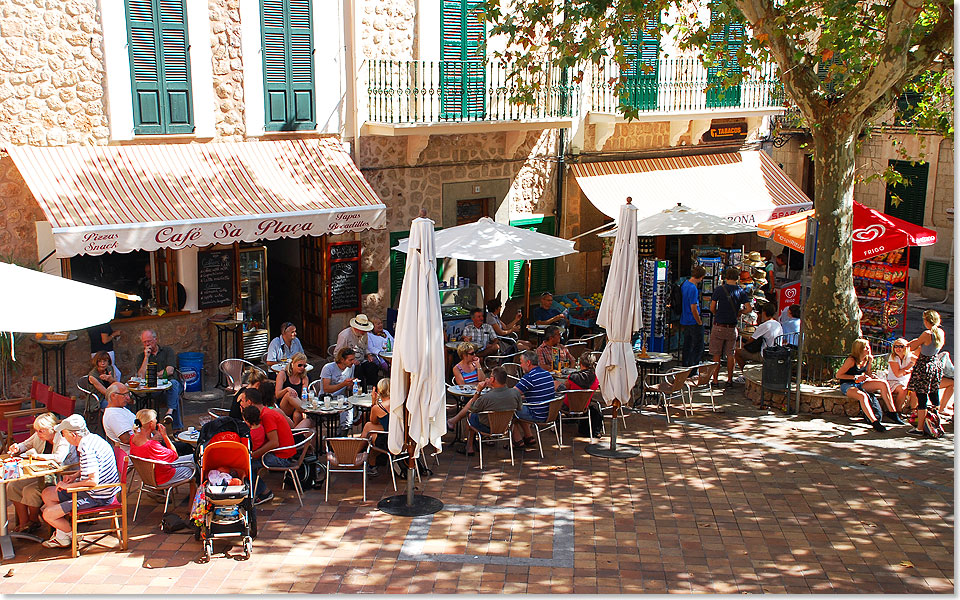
(788, 294)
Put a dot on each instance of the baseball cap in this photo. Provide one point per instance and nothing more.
(72, 423)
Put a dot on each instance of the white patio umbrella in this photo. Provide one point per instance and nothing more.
(683, 220)
(417, 390)
(36, 302)
(620, 316)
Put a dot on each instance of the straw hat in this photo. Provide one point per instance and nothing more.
(753, 259)
(361, 322)
(746, 277)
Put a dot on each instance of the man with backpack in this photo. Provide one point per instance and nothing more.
(690, 321)
(728, 302)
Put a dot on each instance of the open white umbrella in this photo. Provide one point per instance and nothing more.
(620, 316)
(36, 302)
(683, 220)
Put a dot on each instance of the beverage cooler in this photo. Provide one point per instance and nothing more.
(253, 302)
(655, 291)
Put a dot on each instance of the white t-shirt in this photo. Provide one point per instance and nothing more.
(893, 379)
(377, 344)
(769, 330)
(116, 422)
(335, 374)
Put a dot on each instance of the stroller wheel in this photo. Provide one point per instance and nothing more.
(247, 547)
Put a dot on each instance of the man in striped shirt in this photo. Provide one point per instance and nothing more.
(537, 387)
(98, 466)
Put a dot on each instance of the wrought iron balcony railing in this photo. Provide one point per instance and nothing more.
(414, 91)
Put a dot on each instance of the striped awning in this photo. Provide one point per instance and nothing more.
(747, 187)
(144, 197)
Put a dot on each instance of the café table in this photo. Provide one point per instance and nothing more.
(143, 393)
(57, 347)
(320, 414)
(651, 363)
(282, 365)
(189, 437)
(36, 468)
(462, 393)
(363, 403)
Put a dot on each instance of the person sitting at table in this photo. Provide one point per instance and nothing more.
(166, 360)
(553, 355)
(379, 423)
(536, 385)
(101, 339)
(268, 431)
(338, 381)
(45, 443)
(585, 378)
(468, 370)
(255, 378)
(102, 374)
(355, 337)
(379, 340)
(144, 443)
(284, 346)
(500, 397)
(98, 466)
(503, 329)
(291, 382)
(118, 421)
(545, 314)
(481, 335)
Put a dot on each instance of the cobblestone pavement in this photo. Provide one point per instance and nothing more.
(739, 501)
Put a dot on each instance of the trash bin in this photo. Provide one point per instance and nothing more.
(777, 368)
(191, 367)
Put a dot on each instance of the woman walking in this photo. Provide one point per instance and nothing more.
(927, 371)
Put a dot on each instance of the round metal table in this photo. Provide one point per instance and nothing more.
(57, 347)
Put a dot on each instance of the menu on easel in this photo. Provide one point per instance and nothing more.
(344, 260)
(215, 278)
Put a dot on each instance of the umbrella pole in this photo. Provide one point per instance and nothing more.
(613, 451)
(526, 313)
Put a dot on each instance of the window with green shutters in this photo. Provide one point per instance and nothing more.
(541, 272)
(643, 61)
(398, 264)
(288, 83)
(462, 61)
(731, 38)
(913, 198)
(159, 66)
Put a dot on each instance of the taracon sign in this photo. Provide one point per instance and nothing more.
(725, 132)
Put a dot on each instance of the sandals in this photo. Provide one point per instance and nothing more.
(464, 452)
(520, 444)
(530, 442)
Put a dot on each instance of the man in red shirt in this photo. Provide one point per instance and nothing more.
(268, 430)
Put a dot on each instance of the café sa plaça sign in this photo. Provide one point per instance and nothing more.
(71, 241)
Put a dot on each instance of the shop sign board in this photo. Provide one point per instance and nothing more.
(726, 132)
(788, 295)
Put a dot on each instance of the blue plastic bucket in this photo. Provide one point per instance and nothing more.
(191, 367)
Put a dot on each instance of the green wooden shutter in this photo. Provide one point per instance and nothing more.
(159, 66)
(398, 264)
(288, 83)
(731, 38)
(913, 198)
(541, 272)
(640, 77)
(462, 60)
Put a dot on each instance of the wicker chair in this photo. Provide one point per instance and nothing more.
(703, 380)
(577, 408)
(501, 428)
(347, 455)
(670, 386)
(233, 369)
(146, 468)
(391, 458)
(553, 416)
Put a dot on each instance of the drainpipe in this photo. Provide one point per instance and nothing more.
(351, 127)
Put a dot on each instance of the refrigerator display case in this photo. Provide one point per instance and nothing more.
(253, 302)
(455, 306)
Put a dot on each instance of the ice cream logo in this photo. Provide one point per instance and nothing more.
(869, 233)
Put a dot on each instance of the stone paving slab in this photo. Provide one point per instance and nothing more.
(740, 501)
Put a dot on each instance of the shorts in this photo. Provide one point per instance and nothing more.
(755, 357)
(524, 414)
(722, 340)
(473, 419)
(84, 501)
(849, 384)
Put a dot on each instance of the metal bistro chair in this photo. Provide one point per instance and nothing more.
(301, 449)
(577, 348)
(346, 455)
(146, 468)
(233, 369)
(703, 380)
(577, 408)
(496, 360)
(216, 413)
(392, 459)
(501, 428)
(671, 386)
(551, 422)
(595, 341)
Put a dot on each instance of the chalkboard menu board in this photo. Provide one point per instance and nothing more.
(344, 261)
(215, 278)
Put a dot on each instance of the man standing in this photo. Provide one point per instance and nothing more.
(355, 337)
(166, 359)
(285, 345)
(551, 354)
(690, 319)
(728, 302)
(98, 466)
(117, 420)
(537, 388)
(481, 335)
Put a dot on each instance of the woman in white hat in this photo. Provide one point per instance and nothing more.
(355, 337)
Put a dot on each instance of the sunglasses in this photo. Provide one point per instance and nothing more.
(301, 365)
(899, 346)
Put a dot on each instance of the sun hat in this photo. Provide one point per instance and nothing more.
(753, 259)
(72, 423)
(361, 322)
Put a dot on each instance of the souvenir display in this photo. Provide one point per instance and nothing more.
(655, 292)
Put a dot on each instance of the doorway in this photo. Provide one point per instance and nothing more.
(471, 210)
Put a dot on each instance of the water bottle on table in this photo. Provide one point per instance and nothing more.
(356, 387)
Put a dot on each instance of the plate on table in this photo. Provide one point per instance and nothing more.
(189, 436)
(363, 400)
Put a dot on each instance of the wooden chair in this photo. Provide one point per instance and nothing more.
(346, 455)
(116, 512)
(300, 448)
(501, 428)
(671, 386)
(147, 470)
(703, 380)
(553, 416)
(577, 408)
(19, 423)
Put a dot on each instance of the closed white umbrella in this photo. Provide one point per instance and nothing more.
(683, 220)
(620, 316)
(36, 302)
(417, 390)
(486, 239)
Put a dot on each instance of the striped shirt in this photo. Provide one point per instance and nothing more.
(537, 386)
(97, 459)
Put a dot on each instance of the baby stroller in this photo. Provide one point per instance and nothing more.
(228, 510)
